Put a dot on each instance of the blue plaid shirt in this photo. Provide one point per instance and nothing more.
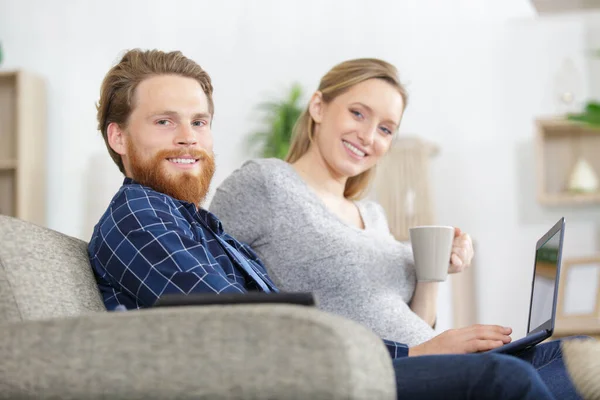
(148, 244)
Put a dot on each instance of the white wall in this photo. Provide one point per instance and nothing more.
(592, 22)
(478, 73)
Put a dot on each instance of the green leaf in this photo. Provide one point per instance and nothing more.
(592, 108)
(278, 120)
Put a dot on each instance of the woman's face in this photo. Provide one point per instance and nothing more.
(354, 130)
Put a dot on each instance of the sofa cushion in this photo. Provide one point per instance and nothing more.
(582, 358)
(43, 273)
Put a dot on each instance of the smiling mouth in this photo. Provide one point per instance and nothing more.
(354, 149)
(183, 161)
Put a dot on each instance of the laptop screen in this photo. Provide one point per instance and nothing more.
(544, 281)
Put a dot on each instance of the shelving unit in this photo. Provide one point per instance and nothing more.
(559, 144)
(562, 6)
(23, 146)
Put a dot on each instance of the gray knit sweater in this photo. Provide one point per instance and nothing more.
(365, 275)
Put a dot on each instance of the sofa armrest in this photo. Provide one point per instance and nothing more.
(211, 352)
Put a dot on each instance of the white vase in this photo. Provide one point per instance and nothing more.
(583, 178)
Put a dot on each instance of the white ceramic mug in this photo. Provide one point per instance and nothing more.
(432, 248)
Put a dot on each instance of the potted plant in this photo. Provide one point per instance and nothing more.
(591, 112)
(279, 117)
(590, 115)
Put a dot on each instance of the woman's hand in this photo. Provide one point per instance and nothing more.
(472, 339)
(462, 252)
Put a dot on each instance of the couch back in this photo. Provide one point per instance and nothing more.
(43, 274)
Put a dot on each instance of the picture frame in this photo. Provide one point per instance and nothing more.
(579, 290)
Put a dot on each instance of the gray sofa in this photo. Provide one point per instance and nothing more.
(58, 341)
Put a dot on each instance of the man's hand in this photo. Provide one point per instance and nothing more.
(462, 252)
(472, 339)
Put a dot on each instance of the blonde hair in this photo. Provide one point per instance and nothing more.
(119, 84)
(335, 82)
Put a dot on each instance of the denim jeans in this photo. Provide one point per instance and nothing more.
(538, 373)
(547, 359)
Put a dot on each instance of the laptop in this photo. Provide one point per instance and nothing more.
(544, 291)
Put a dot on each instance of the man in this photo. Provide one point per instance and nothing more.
(155, 113)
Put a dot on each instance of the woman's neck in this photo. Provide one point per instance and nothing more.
(315, 171)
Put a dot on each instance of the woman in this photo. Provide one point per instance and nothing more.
(303, 218)
(336, 247)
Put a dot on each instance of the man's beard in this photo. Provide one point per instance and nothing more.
(187, 186)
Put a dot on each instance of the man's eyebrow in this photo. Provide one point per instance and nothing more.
(165, 112)
(169, 113)
(202, 115)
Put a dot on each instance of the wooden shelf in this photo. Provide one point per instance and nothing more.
(9, 73)
(8, 165)
(577, 326)
(22, 146)
(568, 199)
(561, 6)
(559, 145)
(557, 127)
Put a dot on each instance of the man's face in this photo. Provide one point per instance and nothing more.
(167, 143)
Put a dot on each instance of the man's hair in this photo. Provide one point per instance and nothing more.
(119, 84)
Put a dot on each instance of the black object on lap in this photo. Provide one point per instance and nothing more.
(206, 299)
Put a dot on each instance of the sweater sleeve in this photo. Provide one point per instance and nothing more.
(242, 204)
